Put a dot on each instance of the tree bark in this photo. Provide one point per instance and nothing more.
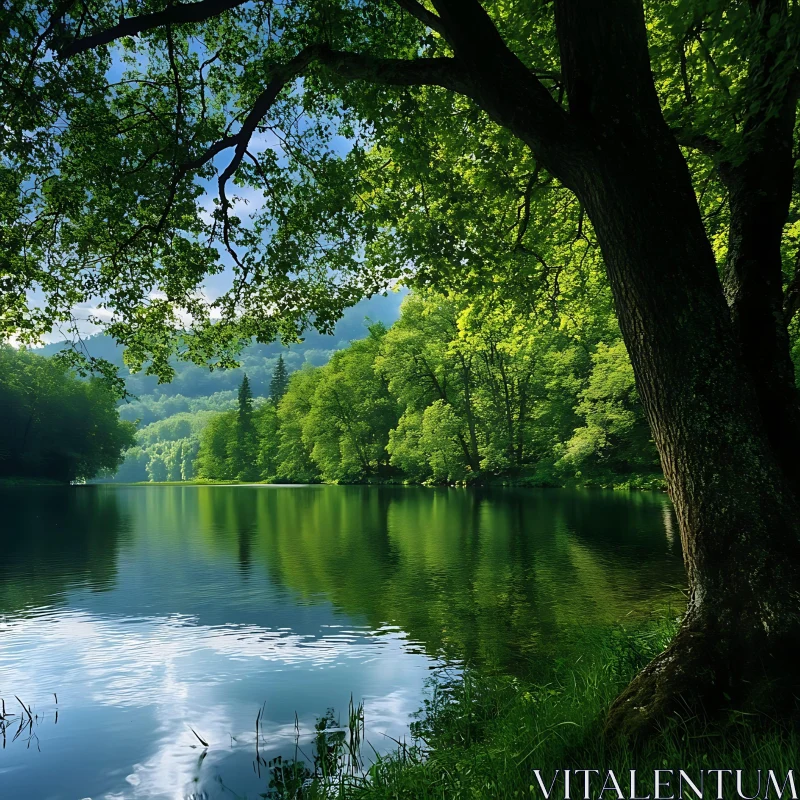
(760, 192)
(738, 517)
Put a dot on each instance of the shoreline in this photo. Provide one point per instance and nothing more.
(498, 483)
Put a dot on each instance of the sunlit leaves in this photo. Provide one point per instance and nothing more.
(345, 188)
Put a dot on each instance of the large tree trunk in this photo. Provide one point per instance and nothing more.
(759, 181)
(738, 517)
(736, 505)
(759, 200)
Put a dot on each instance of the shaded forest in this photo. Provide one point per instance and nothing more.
(56, 426)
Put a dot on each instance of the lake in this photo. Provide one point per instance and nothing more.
(130, 615)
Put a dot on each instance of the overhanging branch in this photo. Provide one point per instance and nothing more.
(178, 14)
(423, 15)
(445, 72)
(484, 69)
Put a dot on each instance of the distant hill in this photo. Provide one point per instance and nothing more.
(197, 388)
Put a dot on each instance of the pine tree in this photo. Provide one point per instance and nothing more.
(244, 453)
(245, 398)
(280, 381)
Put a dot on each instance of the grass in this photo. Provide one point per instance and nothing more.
(482, 736)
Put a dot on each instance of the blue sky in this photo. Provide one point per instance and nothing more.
(245, 202)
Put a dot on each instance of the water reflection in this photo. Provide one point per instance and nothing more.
(152, 609)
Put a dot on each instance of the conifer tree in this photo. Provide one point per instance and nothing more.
(279, 382)
(244, 450)
(245, 399)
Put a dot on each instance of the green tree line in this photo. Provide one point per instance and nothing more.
(450, 393)
(56, 426)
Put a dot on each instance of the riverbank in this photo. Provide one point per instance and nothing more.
(485, 736)
(631, 483)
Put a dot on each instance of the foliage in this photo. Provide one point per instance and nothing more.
(214, 454)
(381, 174)
(151, 408)
(266, 425)
(166, 448)
(382, 180)
(614, 445)
(294, 462)
(351, 413)
(54, 425)
(243, 448)
(454, 392)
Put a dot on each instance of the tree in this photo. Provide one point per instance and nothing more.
(178, 435)
(614, 446)
(243, 448)
(424, 361)
(294, 456)
(188, 453)
(213, 456)
(157, 469)
(509, 378)
(266, 425)
(581, 97)
(351, 413)
(245, 399)
(279, 382)
(54, 425)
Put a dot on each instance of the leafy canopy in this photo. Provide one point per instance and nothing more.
(315, 152)
(55, 426)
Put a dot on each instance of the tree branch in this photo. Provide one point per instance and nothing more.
(423, 15)
(355, 66)
(179, 14)
(484, 69)
(697, 141)
(445, 72)
(507, 90)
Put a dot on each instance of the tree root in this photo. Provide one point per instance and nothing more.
(678, 682)
(701, 674)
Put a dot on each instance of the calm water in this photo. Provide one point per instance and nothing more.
(148, 610)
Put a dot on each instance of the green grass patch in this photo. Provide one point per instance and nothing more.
(482, 736)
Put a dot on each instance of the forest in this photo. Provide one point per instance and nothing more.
(447, 394)
(56, 426)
